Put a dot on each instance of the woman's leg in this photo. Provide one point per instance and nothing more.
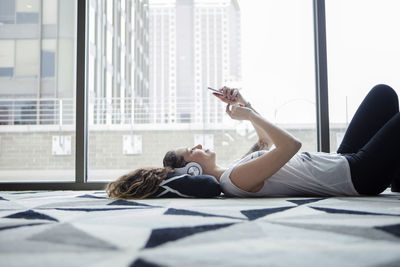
(373, 166)
(378, 107)
(372, 141)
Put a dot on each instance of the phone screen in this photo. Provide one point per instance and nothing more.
(215, 91)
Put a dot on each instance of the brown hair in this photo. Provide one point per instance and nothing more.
(144, 182)
(172, 160)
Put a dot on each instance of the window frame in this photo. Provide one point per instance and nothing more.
(81, 159)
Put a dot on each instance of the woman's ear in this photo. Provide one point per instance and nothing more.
(192, 168)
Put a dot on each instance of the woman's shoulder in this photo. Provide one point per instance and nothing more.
(237, 162)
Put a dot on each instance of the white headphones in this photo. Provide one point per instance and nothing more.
(192, 168)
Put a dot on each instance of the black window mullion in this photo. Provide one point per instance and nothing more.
(321, 76)
(81, 96)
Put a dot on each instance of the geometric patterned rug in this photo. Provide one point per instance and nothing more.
(85, 228)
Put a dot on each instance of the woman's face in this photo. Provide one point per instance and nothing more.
(206, 158)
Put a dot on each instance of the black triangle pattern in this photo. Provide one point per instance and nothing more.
(341, 211)
(172, 211)
(122, 202)
(24, 192)
(93, 209)
(300, 202)
(18, 226)
(164, 235)
(2, 198)
(31, 215)
(393, 229)
(258, 213)
(91, 196)
(142, 263)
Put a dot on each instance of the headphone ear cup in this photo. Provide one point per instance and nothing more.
(192, 168)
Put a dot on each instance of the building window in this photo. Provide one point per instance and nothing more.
(7, 11)
(27, 18)
(6, 72)
(48, 63)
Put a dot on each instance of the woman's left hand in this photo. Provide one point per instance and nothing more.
(238, 112)
(230, 96)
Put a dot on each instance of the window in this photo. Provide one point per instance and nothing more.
(172, 67)
(278, 64)
(37, 81)
(170, 53)
(363, 50)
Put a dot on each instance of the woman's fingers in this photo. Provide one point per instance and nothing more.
(230, 94)
(231, 109)
(228, 108)
(235, 94)
(237, 112)
(225, 92)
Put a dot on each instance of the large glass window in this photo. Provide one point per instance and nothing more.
(150, 63)
(363, 50)
(37, 90)
(278, 64)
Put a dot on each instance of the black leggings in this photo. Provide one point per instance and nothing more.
(371, 143)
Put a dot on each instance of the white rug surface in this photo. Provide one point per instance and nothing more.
(85, 228)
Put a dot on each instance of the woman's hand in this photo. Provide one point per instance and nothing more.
(230, 96)
(238, 112)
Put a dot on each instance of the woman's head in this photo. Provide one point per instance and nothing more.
(138, 184)
(180, 157)
(144, 182)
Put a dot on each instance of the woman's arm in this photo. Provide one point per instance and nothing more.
(233, 96)
(251, 175)
(264, 142)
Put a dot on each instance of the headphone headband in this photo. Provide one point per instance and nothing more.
(192, 168)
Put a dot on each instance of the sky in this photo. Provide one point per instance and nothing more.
(363, 43)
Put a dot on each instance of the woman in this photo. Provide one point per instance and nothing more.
(365, 163)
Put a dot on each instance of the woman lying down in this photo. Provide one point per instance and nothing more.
(366, 163)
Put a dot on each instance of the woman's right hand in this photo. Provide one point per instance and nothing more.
(231, 96)
(238, 112)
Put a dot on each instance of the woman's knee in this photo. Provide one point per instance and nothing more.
(385, 91)
(386, 95)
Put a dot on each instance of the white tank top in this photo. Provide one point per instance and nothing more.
(305, 174)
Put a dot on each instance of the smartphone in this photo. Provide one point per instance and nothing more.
(215, 91)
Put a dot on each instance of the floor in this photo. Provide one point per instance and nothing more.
(85, 228)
